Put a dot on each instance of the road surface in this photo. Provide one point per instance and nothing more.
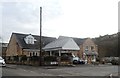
(50, 71)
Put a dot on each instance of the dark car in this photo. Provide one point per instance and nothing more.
(81, 62)
(115, 61)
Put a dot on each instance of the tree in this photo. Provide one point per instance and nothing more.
(107, 45)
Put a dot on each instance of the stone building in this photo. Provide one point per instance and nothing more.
(88, 49)
(63, 48)
(25, 45)
(85, 48)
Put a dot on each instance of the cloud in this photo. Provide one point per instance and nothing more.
(77, 18)
(21, 12)
(25, 16)
(85, 18)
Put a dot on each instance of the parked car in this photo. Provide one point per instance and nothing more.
(115, 61)
(77, 60)
(106, 60)
(82, 61)
(112, 60)
(2, 62)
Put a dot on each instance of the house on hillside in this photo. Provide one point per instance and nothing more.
(25, 47)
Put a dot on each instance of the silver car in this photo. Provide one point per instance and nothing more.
(2, 62)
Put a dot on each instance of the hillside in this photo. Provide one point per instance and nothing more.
(107, 45)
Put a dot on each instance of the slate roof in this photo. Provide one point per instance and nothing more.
(79, 41)
(66, 43)
(20, 39)
(57, 44)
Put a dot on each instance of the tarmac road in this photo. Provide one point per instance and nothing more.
(80, 71)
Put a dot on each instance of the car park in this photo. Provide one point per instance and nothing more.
(2, 62)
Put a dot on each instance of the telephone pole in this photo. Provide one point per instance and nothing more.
(40, 54)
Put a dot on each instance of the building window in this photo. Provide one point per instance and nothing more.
(92, 48)
(29, 39)
(36, 53)
(33, 54)
(86, 48)
(30, 54)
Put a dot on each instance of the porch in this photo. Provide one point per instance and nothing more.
(62, 48)
(90, 57)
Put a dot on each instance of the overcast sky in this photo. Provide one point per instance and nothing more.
(74, 18)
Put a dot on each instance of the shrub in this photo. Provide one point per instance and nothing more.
(24, 58)
(16, 58)
(65, 58)
(50, 58)
(34, 58)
